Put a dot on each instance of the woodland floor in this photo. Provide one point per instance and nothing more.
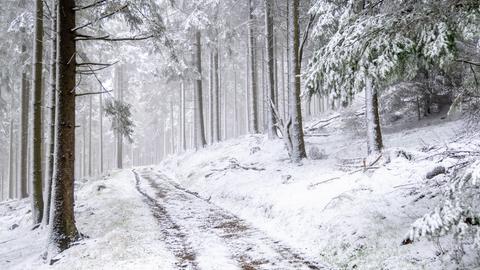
(205, 236)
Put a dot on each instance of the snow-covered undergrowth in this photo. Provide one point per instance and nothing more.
(122, 233)
(330, 208)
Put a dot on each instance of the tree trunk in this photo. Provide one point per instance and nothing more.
(216, 97)
(172, 127)
(298, 144)
(24, 132)
(235, 117)
(37, 187)
(90, 135)
(374, 132)
(11, 154)
(253, 71)
(271, 100)
(183, 138)
(211, 99)
(198, 92)
(247, 92)
(62, 229)
(101, 130)
(53, 100)
(119, 137)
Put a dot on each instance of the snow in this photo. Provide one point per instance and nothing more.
(330, 211)
(120, 228)
(346, 218)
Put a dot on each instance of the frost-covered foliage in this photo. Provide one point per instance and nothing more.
(120, 114)
(386, 42)
(458, 214)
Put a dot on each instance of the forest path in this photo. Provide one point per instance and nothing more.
(204, 236)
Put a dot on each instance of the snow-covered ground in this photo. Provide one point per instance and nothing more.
(122, 233)
(241, 203)
(330, 209)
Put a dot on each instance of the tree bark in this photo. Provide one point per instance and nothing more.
(374, 132)
(63, 230)
(198, 91)
(11, 153)
(53, 100)
(25, 96)
(119, 137)
(298, 144)
(90, 136)
(211, 99)
(101, 130)
(216, 98)
(183, 138)
(270, 68)
(253, 71)
(37, 187)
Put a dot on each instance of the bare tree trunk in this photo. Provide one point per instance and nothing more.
(211, 99)
(216, 97)
(198, 91)
(235, 117)
(374, 132)
(90, 136)
(247, 92)
(25, 96)
(298, 143)
(253, 70)
(101, 130)
(283, 84)
(11, 154)
(53, 100)
(270, 68)
(37, 187)
(119, 148)
(172, 128)
(62, 229)
(183, 138)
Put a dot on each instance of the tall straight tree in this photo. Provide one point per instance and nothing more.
(62, 229)
(25, 97)
(12, 151)
(53, 100)
(298, 144)
(271, 100)
(183, 138)
(37, 196)
(119, 77)
(253, 69)
(200, 125)
(100, 116)
(216, 96)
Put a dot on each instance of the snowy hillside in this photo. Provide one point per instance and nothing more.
(242, 203)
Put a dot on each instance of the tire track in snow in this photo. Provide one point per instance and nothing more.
(249, 247)
(171, 233)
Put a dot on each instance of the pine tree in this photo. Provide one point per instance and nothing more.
(63, 231)
(298, 144)
(37, 195)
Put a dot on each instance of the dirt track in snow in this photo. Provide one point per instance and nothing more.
(184, 218)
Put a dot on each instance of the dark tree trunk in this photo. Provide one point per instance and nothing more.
(63, 230)
(298, 144)
(374, 132)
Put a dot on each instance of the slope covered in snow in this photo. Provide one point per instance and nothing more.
(242, 203)
(121, 232)
(330, 208)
